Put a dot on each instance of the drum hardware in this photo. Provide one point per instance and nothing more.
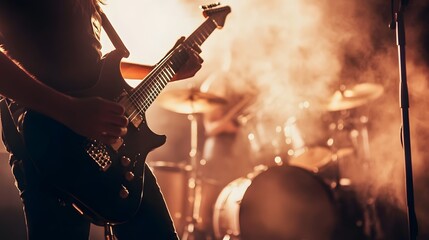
(313, 159)
(191, 101)
(194, 184)
(272, 141)
(350, 131)
(354, 126)
(346, 127)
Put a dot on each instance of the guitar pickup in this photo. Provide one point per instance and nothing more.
(98, 152)
(115, 146)
(137, 120)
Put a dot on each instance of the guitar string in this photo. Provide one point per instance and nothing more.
(204, 32)
(152, 86)
(139, 109)
(139, 106)
(199, 31)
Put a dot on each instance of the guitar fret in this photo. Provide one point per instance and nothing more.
(199, 39)
(150, 96)
(174, 64)
(164, 80)
(158, 88)
(169, 72)
(137, 104)
(206, 30)
(133, 100)
(206, 33)
(154, 83)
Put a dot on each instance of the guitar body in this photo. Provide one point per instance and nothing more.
(76, 166)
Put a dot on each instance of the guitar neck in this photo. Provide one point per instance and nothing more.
(147, 91)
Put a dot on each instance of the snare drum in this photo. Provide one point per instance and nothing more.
(281, 202)
(172, 178)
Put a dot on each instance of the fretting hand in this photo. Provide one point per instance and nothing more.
(192, 65)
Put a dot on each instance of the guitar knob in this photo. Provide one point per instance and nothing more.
(125, 161)
(123, 193)
(129, 176)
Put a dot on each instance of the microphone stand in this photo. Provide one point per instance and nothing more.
(398, 24)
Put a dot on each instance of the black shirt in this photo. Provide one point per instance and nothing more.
(55, 40)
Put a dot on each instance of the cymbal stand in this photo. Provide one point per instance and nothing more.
(364, 155)
(194, 185)
(359, 137)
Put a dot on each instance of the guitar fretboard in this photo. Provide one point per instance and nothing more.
(148, 90)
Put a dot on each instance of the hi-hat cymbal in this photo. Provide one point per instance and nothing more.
(355, 96)
(189, 101)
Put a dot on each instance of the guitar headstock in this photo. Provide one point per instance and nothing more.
(216, 12)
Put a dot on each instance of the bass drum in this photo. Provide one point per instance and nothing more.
(281, 202)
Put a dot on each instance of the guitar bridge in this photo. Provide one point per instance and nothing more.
(98, 152)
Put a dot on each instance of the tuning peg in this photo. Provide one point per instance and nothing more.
(209, 6)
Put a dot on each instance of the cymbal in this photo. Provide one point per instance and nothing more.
(356, 96)
(312, 159)
(189, 101)
(315, 158)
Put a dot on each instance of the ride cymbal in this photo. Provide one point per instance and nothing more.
(356, 96)
(189, 101)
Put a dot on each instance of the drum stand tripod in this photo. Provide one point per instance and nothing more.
(108, 232)
(191, 101)
(194, 184)
(359, 137)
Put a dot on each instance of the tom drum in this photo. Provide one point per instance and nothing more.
(280, 202)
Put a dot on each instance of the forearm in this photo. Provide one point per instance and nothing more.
(103, 119)
(134, 70)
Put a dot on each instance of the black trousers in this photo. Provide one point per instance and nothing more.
(47, 217)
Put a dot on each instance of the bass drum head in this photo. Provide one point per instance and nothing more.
(287, 203)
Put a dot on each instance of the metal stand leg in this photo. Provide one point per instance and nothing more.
(108, 232)
(194, 184)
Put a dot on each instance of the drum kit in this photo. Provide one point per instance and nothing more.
(300, 192)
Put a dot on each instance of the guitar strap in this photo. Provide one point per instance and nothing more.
(113, 35)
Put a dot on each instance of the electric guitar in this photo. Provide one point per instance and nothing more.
(105, 182)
